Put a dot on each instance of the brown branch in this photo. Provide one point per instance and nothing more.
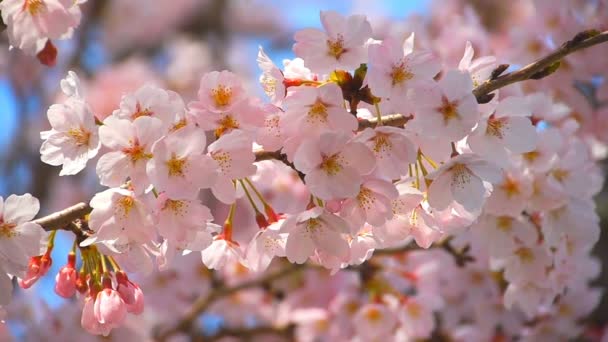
(244, 333)
(202, 303)
(63, 218)
(537, 69)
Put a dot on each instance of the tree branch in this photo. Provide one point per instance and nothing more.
(535, 70)
(202, 303)
(244, 333)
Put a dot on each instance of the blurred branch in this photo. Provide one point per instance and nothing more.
(201, 304)
(244, 333)
(544, 66)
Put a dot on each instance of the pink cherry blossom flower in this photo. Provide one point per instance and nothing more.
(30, 23)
(73, 139)
(510, 195)
(447, 110)
(264, 246)
(374, 322)
(179, 220)
(219, 92)
(416, 316)
(544, 156)
(480, 69)
(65, 280)
(527, 263)
(461, 180)
(503, 234)
(19, 238)
(372, 204)
(222, 252)
(179, 166)
(151, 101)
(529, 297)
(340, 47)
(507, 129)
(233, 159)
(410, 219)
(119, 214)
(272, 79)
(315, 229)
(90, 322)
(394, 68)
(334, 166)
(270, 135)
(362, 246)
(130, 145)
(247, 115)
(311, 111)
(109, 307)
(394, 151)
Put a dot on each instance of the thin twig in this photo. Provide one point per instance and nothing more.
(581, 41)
(201, 304)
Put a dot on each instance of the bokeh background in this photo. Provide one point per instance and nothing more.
(123, 44)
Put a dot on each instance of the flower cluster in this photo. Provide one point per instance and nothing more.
(33, 24)
(392, 147)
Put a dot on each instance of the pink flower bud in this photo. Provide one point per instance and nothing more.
(38, 267)
(110, 308)
(130, 293)
(65, 282)
(89, 322)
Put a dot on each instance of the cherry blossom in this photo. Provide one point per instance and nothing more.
(31, 23)
(340, 47)
(394, 151)
(507, 129)
(233, 159)
(394, 68)
(20, 239)
(334, 166)
(447, 110)
(179, 166)
(315, 229)
(462, 180)
(264, 246)
(130, 145)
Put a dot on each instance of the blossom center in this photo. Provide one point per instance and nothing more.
(531, 156)
(317, 112)
(226, 124)
(510, 187)
(180, 124)
(400, 74)
(525, 255)
(176, 206)
(136, 152)
(448, 110)
(125, 205)
(139, 112)
(7, 230)
(414, 310)
(460, 175)
(382, 143)
(504, 223)
(373, 315)
(331, 165)
(313, 225)
(335, 47)
(176, 166)
(269, 84)
(222, 95)
(365, 198)
(33, 7)
(560, 174)
(495, 127)
(223, 159)
(80, 136)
